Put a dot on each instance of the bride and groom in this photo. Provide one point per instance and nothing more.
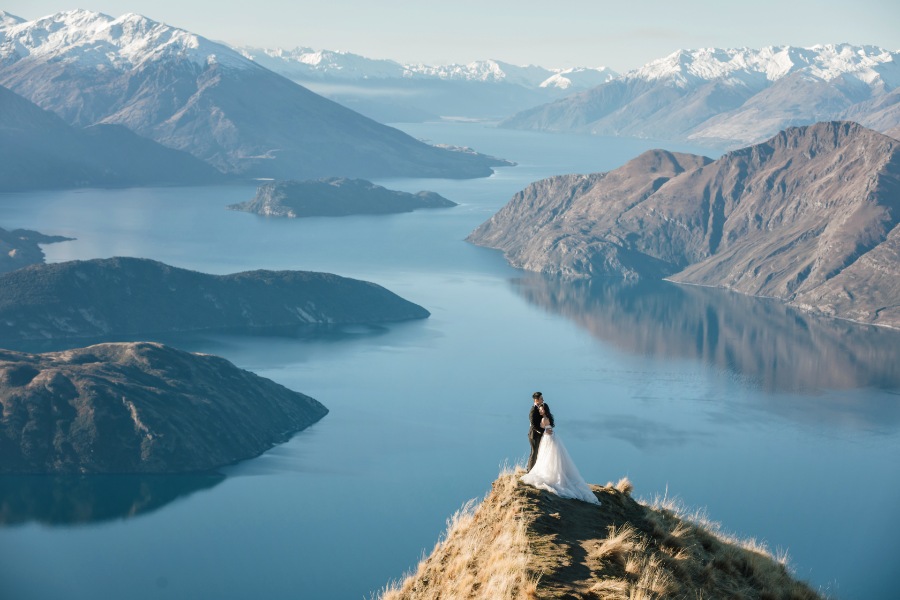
(550, 467)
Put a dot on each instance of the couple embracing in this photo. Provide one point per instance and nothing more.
(549, 466)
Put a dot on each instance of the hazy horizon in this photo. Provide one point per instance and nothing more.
(567, 34)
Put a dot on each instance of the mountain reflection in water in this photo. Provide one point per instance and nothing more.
(773, 346)
(81, 499)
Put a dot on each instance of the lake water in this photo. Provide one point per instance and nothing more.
(783, 427)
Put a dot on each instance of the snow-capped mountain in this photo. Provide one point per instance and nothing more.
(306, 63)
(193, 94)
(320, 64)
(95, 40)
(390, 91)
(733, 96)
(827, 62)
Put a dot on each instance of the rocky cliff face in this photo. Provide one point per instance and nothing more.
(138, 408)
(130, 296)
(809, 217)
(335, 197)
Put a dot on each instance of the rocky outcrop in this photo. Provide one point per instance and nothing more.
(131, 296)
(810, 216)
(335, 197)
(139, 408)
(21, 247)
(521, 542)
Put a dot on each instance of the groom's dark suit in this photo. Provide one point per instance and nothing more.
(534, 433)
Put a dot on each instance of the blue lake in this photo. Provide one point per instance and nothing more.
(784, 427)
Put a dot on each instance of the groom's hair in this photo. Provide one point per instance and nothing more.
(536, 395)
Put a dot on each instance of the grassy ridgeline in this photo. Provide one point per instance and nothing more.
(521, 542)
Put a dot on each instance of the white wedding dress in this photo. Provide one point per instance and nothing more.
(554, 470)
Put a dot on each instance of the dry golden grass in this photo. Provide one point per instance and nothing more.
(483, 554)
(521, 542)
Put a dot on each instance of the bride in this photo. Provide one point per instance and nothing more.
(554, 470)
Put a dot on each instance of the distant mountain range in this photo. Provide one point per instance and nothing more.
(189, 93)
(38, 150)
(732, 97)
(392, 92)
(812, 216)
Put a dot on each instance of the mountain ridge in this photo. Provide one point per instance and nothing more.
(732, 96)
(522, 542)
(810, 217)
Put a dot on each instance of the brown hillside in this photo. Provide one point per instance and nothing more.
(521, 542)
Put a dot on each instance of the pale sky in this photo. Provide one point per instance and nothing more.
(552, 33)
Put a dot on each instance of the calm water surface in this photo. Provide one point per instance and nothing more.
(783, 427)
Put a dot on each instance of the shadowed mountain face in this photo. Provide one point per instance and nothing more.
(38, 150)
(139, 408)
(204, 98)
(130, 296)
(21, 247)
(810, 217)
(335, 197)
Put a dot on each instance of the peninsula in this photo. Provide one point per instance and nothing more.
(118, 297)
(139, 408)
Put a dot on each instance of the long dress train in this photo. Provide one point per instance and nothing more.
(555, 471)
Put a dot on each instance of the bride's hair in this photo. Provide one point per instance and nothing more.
(548, 414)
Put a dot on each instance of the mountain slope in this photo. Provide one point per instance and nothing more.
(38, 150)
(810, 216)
(192, 94)
(732, 96)
(139, 408)
(521, 542)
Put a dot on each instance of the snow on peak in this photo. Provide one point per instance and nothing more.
(579, 77)
(827, 62)
(306, 62)
(95, 39)
(8, 20)
(480, 70)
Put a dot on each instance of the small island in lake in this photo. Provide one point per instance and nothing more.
(139, 408)
(335, 197)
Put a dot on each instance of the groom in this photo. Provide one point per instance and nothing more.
(536, 431)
